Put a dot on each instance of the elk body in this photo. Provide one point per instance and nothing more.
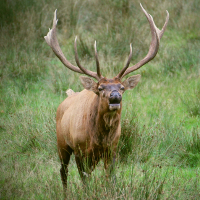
(88, 122)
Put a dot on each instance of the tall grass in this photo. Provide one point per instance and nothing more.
(159, 150)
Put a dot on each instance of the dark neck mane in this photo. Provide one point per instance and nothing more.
(103, 123)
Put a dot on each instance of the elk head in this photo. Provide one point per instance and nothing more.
(109, 90)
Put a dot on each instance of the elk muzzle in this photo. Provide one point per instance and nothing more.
(114, 100)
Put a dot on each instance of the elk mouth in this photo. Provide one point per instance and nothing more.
(115, 106)
(114, 103)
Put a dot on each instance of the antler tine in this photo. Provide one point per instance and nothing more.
(153, 49)
(97, 60)
(87, 72)
(76, 57)
(127, 64)
(52, 41)
(164, 26)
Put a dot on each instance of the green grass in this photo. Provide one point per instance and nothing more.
(159, 150)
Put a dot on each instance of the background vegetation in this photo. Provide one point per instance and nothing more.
(159, 151)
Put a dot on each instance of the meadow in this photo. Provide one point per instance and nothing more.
(159, 149)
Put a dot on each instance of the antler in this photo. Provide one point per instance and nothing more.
(52, 41)
(97, 60)
(153, 49)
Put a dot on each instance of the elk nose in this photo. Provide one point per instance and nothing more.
(115, 97)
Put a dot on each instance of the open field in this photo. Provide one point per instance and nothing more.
(159, 150)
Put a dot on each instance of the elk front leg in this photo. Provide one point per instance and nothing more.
(64, 155)
(80, 165)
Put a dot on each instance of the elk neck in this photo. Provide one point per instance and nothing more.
(106, 122)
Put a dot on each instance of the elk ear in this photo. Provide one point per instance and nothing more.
(131, 82)
(88, 84)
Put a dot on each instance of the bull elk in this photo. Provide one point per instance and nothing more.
(88, 122)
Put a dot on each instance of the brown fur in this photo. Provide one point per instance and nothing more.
(87, 127)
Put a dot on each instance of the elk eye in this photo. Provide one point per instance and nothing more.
(122, 88)
(100, 88)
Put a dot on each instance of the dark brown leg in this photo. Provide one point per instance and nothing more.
(85, 164)
(91, 163)
(80, 165)
(64, 157)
